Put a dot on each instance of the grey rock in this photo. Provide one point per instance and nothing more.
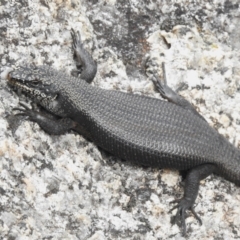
(64, 187)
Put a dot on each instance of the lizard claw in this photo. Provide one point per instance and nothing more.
(25, 111)
(182, 206)
(76, 37)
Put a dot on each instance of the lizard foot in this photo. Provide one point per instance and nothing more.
(182, 206)
(77, 51)
(76, 37)
(26, 111)
(162, 87)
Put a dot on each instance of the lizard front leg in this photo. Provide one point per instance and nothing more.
(86, 67)
(50, 125)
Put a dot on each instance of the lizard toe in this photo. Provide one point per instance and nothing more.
(180, 217)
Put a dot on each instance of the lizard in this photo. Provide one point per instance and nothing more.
(137, 128)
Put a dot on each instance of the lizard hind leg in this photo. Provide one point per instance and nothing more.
(170, 95)
(86, 67)
(193, 178)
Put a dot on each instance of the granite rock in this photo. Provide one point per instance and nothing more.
(64, 187)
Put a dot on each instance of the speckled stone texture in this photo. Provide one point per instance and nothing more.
(64, 187)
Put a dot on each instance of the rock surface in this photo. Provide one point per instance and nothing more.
(64, 187)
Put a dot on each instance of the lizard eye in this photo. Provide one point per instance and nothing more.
(35, 82)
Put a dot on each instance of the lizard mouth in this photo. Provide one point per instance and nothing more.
(18, 84)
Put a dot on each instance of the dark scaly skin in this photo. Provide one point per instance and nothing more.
(136, 128)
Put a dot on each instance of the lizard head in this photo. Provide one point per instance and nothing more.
(41, 84)
(33, 82)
